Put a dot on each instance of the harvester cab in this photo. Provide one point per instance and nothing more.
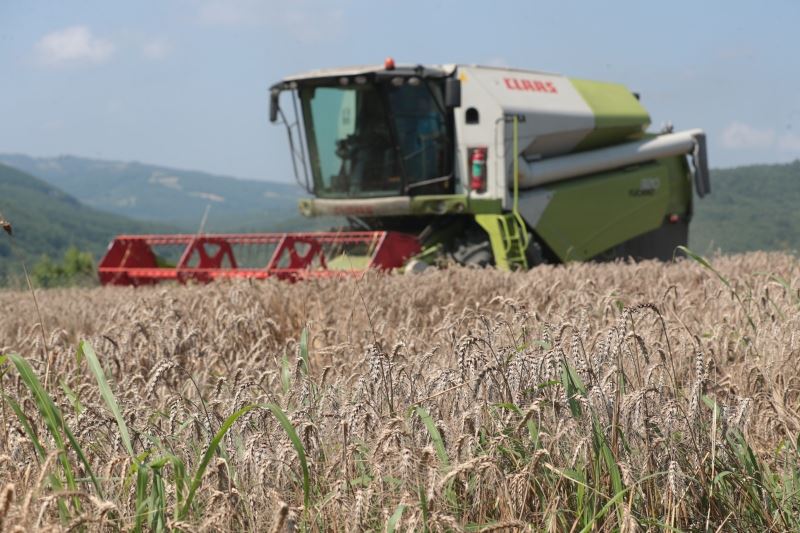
(478, 165)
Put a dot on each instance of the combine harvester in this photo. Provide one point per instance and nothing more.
(481, 165)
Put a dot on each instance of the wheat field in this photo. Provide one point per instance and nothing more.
(614, 397)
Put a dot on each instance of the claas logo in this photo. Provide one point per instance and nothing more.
(520, 84)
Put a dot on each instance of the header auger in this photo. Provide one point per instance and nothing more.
(479, 165)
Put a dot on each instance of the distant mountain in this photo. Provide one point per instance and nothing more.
(156, 193)
(750, 208)
(46, 221)
(754, 207)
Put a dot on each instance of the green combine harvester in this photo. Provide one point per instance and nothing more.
(480, 165)
(492, 165)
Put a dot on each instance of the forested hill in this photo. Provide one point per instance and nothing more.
(162, 194)
(753, 207)
(46, 221)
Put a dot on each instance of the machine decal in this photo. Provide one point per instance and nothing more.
(520, 84)
(647, 187)
(353, 210)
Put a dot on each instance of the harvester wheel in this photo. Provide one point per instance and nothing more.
(474, 250)
(534, 253)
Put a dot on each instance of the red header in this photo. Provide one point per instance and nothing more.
(519, 84)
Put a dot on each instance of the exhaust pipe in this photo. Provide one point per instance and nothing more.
(692, 142)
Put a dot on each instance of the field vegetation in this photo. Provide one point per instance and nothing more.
(573, 398)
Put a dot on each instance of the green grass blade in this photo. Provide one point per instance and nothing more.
(609, 459)
(304, 350)
(142, 481)
(54, 422)
(614, 500)
(43, 402)
(286, 374)
(391, 525)
(702, 261)
(48, 411)
(423, 503)
(79, 452)
(510, 407)
(573, 387)
(298, 447)
(436, 437)
(26, 425)
(179, 475)
(86, 350)
(210, 451)
(533, 431)
(157, 504)
(72, 397)
(55, 483)
(180, 481)
(785, 284)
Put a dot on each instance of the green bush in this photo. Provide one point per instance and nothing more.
(75, 268)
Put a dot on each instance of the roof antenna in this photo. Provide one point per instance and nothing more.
(203, 220)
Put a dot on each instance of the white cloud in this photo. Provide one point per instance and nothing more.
(305, 20)
(789, 142)
(738, 136)
(741, 136)
(73, 46)
(156, 49)
(219, 12)
(309, 23)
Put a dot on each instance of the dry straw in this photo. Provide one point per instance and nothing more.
(581, 397)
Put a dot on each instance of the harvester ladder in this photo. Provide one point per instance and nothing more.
(509, 240)
(508, 234)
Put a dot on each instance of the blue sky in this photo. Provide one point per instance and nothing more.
(184, 82)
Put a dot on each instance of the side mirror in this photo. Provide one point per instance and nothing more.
(702, 177)
(274, 94)
(452, 93)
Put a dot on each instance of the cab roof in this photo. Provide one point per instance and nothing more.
(425, 71)
(437, 71)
